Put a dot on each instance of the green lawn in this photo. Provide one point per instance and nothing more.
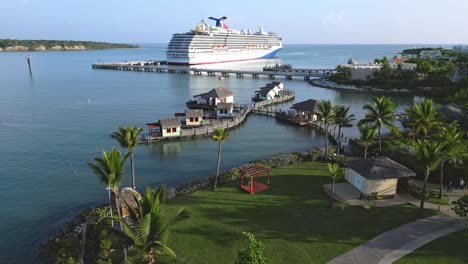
(292, 219)
(450, 249)
(442, 201)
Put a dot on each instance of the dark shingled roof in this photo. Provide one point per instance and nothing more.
(379, 168)
(194, 113)
(169, 122)
(306, 106)
(225, 106)
(265, 90)
(220, 92)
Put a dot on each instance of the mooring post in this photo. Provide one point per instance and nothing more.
(28, 58)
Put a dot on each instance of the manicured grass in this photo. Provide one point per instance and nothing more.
(450, 249)
(442, 201)
(292, 219)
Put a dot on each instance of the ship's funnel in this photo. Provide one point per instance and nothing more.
(220, 22)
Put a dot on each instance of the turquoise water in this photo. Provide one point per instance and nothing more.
(49, 130)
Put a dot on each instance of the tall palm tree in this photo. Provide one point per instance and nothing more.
(335, 173)
(326, 113)
(451, 136)
(342, 119)
(367, 136)
(381, 113)
(430, 154)
(150, 233)
(109, 170)
(129, 137)
(219, 135)
(423, 117)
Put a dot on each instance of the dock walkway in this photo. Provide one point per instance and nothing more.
(304, 73)
(228, 123)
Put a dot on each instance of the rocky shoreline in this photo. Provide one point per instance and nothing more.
(324, 83)
(75, 230)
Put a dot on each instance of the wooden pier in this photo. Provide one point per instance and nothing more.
(228, 123)
(288, 74)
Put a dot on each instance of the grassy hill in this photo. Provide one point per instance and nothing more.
(14, 45)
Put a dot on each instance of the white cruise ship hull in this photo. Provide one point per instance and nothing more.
(219, 56)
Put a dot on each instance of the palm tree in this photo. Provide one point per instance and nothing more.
(423, 117)
(380, 113)
(335, 173)
(219, 135)
(109, 170)
(430, 154)
(128, 137)
(326, 113)
(451, 136)
(150, 233)
(342, 119)
(367, 136)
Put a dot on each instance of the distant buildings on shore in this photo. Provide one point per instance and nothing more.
(366, 71)
(460, 48)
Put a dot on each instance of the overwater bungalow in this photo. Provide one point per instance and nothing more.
(194, 117)
(306, 110)
(211, 99)
(168, 127)
(225, 110)
(270, 91)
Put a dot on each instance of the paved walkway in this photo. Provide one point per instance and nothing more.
(394, 244)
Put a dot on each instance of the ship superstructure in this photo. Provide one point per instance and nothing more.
(213, 44)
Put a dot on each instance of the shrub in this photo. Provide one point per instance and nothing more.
(253, 254)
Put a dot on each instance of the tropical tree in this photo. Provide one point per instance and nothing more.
(326, 114)
(423, 117)
(424, 67)
(335, 173)
(150, 233)
(342, 119)
(452, 137)
(367, 136)
(109, 170)
(129, 137)
(430, 154)
(381, 113)
(219, 135)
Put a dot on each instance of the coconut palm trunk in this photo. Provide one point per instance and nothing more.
(365, 151)
(119, 213)
(326, 140)
(330, 204)
(132, 167)
(423, 192)
(380, 142)
(215, 184)
(339, 140)
(441, 178)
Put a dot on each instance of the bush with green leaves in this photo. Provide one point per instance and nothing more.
(253, 254)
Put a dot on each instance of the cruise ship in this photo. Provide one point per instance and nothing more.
(213, 44)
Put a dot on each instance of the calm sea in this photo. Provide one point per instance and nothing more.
(53, 123)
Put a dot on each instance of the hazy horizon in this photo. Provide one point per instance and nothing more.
(360, 22)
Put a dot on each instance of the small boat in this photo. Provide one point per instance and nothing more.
(220, 78)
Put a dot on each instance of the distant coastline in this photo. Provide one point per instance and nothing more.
(58, 45)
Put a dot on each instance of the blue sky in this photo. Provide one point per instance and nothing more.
(298, 22)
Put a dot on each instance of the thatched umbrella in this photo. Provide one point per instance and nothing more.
(126, 196)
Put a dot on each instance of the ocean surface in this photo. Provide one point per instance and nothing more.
(56, 121)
